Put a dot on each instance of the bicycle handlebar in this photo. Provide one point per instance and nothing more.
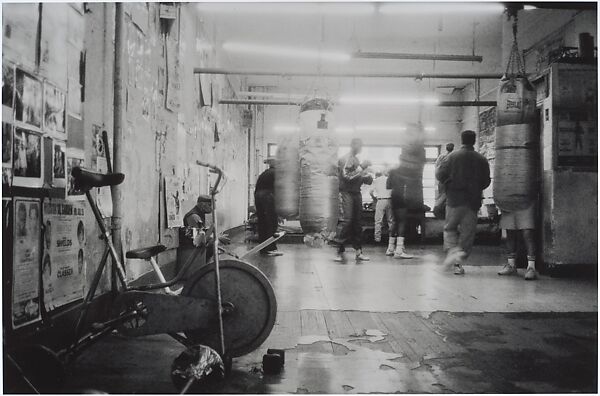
(216, 170)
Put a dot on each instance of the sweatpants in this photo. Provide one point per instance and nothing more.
(383, 208)
(349, 228)
(264, 201)
(460, 229)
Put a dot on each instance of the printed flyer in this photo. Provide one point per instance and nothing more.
(26, 262)
(63, 266)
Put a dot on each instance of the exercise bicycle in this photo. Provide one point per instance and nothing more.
(227, 305)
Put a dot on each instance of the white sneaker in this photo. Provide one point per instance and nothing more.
(340, 258)
(458, 269)
(361, 257)
(401, 254)
(508, 270)
(390, 250)
(391, 247)
(530, 274)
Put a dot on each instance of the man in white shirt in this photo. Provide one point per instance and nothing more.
(383, 206)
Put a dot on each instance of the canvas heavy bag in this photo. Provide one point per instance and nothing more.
(318, 204)
(287, 177)
(515, 175)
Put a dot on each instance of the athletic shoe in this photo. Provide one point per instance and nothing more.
(508, 270)
(390, 251)
(458, 269)
(402, 255)
(340, 258)
(530, 274)
(361, 257)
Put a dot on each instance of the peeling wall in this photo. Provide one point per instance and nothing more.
(158, 141)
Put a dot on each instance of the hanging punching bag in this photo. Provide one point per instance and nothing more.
(514, 182)
(413, 159)
(318, 172)
(287, 177)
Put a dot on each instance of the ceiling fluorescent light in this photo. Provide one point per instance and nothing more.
(529, 7)
(289, 8)
(441, 8)
(287, 52)
(430, 128)
(386, 100)
(381, 128)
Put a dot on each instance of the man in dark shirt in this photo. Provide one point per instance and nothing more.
(352, 175)
(264, 201)
(401, 180)
(465, 174)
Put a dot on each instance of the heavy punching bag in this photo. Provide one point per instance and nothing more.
(514, 180)
(318, 172)
(413, 159)
(287, 177)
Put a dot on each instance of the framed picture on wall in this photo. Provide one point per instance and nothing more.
(59, 164)
(75, 158)
(28, 99)
(54, 111)
(27, 158)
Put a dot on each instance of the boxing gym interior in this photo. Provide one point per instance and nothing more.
(299, 197)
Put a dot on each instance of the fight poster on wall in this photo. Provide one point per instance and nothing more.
(59, 164)
(26, 262)
(54, 111)
(28, 99)
(173, 198)
(63, 264)
(75, 158)
(27, 158)
(7, 137)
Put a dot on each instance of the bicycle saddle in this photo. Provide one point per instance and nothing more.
(86, 179)
(146, 252)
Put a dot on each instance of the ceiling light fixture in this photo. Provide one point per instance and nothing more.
(285, 52)
(289, 8)
(430, 128)
(529, 7)
(441, 8)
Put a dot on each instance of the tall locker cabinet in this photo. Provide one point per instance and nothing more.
(569, 156)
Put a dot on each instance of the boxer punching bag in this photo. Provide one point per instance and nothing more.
(514, 180)
(287, 177)
(318, 149)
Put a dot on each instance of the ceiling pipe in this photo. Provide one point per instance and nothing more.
(432, 57)
(416, 76)
(473, 103)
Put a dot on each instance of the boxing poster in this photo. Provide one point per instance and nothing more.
(26, 262)
(59, 164)
(54, 111)
(28, 99)
(27, 158)
(75, 158)
(173, 200)
(63, 263)
(7, 146)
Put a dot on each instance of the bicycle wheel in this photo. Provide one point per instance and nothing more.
(250, 301)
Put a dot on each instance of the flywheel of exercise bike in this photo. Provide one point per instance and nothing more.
(249, 304)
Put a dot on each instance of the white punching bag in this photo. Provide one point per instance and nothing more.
(287, 177)
(514, 180)
(318, 172)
